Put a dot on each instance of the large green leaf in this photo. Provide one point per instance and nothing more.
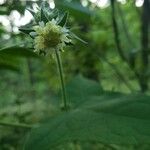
(17, 51)
(6, 66)
(8, 62)
(81, 89)
(111, 118)
(10, 57)
(79, 93)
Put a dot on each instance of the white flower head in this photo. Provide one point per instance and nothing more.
(49, 31)
(50, 37)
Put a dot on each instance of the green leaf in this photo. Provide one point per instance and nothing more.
(111, 118)
(31, 11)
(7, 66)
(10, 57)
(26, 30)
(53, 14)
(18, 51)
(63, 19)
(8, 62)
(44, 18)
(45, 5)
(80, 89)
(76, 37)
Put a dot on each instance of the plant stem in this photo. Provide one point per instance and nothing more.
(116, 32)
(15, 125)
(61, 80)
(144, 78)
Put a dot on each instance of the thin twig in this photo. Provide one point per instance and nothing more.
(116, 32)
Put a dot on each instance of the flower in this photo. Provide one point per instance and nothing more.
(48, 30)
(49, 37)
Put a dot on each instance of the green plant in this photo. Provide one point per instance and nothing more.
(50, 35)
(93, 115)
(102, 118)
(96, 115)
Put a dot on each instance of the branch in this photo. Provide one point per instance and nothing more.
(117, 40)
(144, 45)
(145, 32)
(116, 32)
(130, 41)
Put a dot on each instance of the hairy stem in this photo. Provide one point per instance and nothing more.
(61, 79)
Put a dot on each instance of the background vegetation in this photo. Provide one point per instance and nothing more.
(116, 59)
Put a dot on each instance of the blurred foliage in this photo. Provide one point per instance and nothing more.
(29, 95)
